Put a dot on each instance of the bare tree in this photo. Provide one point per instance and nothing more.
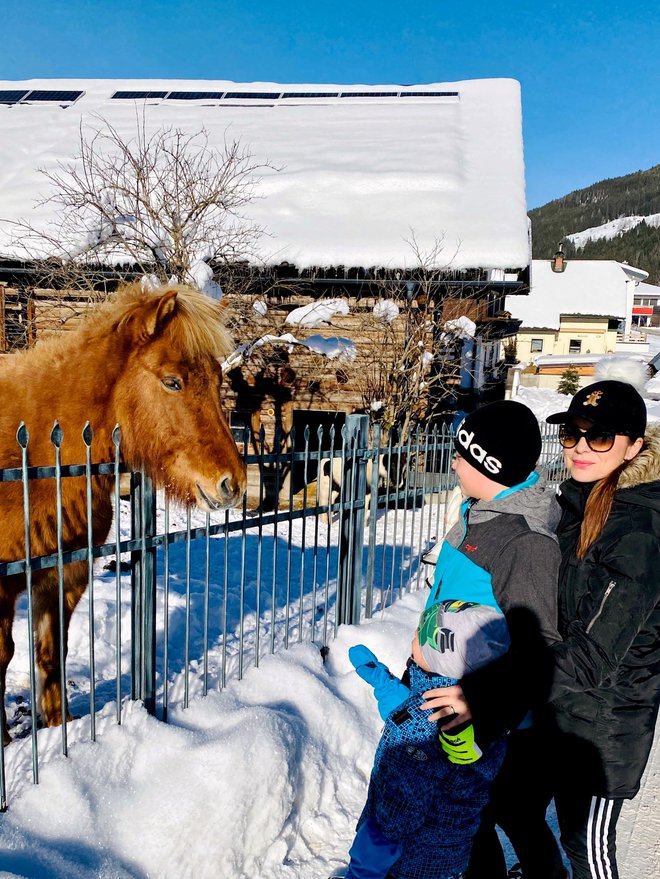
(167, 202)
(412, 362)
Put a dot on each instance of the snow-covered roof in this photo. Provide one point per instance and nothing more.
(647, 290)
(359, 173)
(590, 286)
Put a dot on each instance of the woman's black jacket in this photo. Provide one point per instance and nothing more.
(606, 687)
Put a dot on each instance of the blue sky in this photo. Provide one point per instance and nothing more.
(589, 72)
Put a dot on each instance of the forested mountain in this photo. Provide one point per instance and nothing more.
(635, 194)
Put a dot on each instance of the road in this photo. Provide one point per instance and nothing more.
(638, 836)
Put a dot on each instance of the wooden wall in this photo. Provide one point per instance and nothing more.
(277, 385)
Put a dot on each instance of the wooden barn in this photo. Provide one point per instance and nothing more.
(392, 210)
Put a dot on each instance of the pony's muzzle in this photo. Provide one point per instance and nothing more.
(229, 491)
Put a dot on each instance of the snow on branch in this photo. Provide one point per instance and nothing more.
(333, 348)
(461, 328)
(318, 313)
(386, 310)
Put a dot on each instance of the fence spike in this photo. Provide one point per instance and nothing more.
(22, 435)
(87, 434)
(56, 435)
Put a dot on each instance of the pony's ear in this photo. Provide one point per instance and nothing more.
(160, 313)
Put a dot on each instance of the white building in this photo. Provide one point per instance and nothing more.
(589, 307)
(574, 317)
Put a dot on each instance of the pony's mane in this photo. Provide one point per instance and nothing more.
(198, 325)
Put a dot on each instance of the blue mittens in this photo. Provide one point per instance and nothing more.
(388, 689)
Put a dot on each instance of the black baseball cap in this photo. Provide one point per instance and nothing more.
(613, 405)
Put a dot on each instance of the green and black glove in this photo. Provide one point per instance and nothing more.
(459, 744)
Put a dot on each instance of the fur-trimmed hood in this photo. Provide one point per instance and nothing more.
(646, 466)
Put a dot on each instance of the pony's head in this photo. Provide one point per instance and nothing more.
(167, 398)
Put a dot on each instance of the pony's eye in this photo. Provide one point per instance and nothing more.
(172, 383)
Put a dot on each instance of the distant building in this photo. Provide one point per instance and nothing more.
(646, 304)
(577, 334)
(589, 309)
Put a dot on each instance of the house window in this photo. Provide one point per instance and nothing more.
(575, 346)
(536, 346)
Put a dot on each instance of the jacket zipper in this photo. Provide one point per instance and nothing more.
(610, 587)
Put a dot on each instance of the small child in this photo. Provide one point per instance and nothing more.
(427, 789)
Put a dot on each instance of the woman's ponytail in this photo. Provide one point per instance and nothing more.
(597, 509)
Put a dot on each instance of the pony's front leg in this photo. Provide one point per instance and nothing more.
(7, 605)
(47, 636)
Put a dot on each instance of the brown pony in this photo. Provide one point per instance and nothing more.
(148, 362)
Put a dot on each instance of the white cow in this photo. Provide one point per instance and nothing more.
(329, 486)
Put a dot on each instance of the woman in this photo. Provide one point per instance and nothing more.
(606, 685)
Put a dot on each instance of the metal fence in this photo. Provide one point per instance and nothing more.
(179, 601)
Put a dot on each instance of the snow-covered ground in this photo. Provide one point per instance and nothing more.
(262, 778)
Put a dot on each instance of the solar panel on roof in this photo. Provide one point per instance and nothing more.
(310, 95)
(138, 95)
(47, 95)
(272, 96)
(429, 94)
(369, 95)
(12, 96)
(195, 96)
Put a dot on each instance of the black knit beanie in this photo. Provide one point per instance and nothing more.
(501, 440)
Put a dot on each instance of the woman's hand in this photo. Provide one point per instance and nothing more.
(447, 702)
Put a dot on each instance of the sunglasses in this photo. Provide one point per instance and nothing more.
(597, 439)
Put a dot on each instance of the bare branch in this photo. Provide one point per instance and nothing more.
(160, 201)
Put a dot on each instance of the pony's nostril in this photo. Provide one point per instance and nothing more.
(231, 487)
(226, 487)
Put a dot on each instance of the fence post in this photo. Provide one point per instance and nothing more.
(354, 480)
(143, 593)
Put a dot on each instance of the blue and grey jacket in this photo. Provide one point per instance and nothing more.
(504, 553)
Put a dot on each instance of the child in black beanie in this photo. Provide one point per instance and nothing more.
(502, 556)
